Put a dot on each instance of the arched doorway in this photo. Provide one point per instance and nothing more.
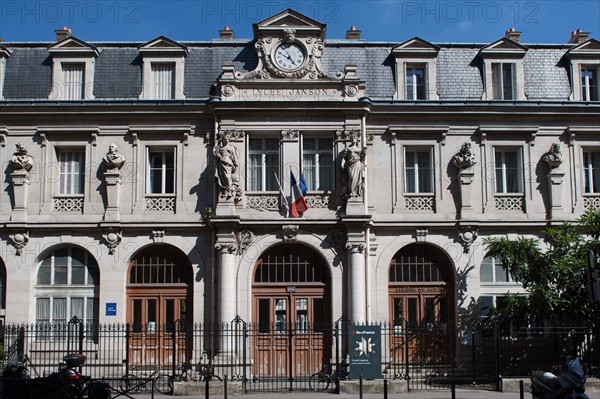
(159, 304)
(422, 304)
(292, 312)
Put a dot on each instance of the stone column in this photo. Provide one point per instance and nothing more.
(226, 276)
(20, 182)
(356, 282)
(555, 179)
(465, 179)
(113, 180)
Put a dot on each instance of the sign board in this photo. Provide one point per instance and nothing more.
(365, 352)
(111, 308)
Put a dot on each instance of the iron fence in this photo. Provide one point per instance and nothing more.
(282, 357)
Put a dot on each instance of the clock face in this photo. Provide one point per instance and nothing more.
(289, 56)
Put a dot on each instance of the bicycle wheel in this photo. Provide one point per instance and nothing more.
(130, 383)
(163, 384)
(214, 377)
(318, 382)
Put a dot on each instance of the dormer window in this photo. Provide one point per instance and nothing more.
(4, 54)
(503, 72)
(72, 69)
(589, 83)
(415, 69)
(163, 69)
(585, 68)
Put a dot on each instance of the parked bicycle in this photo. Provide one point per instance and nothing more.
(137, 380)
(320, 380)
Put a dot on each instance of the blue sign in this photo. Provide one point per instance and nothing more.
(365, 352)
(111, 308)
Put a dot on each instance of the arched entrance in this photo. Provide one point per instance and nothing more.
(159, 304)
(292, 313)
(422, 304)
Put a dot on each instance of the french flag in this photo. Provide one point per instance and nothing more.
(297, 202)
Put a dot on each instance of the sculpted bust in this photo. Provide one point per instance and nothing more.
(21, 160)
(553, 157)
(113, 159)
(464, 159)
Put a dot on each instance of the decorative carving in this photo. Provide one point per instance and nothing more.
(231, 134)
(320, 200)
(465, 158)
(113, 159)
(290, 232)
(289, 35)
(553, 158)
(19, 240)
(421, 235)
(21, 160)
(68, 204)
(243, 239)
(591, 202)
(226, 167)
(290, 134)
(226, 247)
(419, 203)
(355, 247)
(467, 235)
(160, 203)
(112, 238)
(158, 236)
(270, 202)
(353, 164)
(509, 202)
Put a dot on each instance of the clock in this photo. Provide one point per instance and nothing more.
(289, 56)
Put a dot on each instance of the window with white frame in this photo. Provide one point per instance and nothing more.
(67, 285)
(416, 82)
(160, 171)
(264, 164)
(73, 81)
(163, 78)
(589, 83)
(71, 171)
(418, 170)
(317, 163)
(509, 170)
(504, 81)
(591, 168)
(492, 271)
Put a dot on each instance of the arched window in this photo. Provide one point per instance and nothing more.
(160, 265)
(68, 283)
(419, 264)
(283, 264)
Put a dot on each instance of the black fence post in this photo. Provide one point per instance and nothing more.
(521, 390)
(473, 379)
(127, 343)
(244, 376)
(406, 337)
(385, 393)
(290, 362)
(360, 387)
(207, 377)
(174, 346)
(496, 356)
(225, 386)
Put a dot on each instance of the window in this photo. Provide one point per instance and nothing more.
(317, 163)
(418, 171)
(589, 84)
(503, 81)
(509, 175)
(264, 164)
(416, 86)
(67, 286)
(71, 170)
(163, 76)
(73, 81)
(492, 271)
(591, 167)
(160, 177)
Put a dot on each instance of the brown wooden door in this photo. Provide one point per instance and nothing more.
(155, 318)
(290, 331)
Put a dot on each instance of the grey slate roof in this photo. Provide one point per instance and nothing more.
(118, 69)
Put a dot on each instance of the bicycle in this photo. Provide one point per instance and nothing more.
(134, 382)
(320, 380)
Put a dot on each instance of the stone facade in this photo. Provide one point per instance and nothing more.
(441, 172)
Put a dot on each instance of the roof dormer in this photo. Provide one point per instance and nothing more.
(163, 66)
(585, 69)
(4, 54)
(73, 62)
(503, 73)
(416, 70)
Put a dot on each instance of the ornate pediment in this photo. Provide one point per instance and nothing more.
(589, 48)
(72, 45)
(504, 47)
(163, 45)
(289, 47)
(415, 47)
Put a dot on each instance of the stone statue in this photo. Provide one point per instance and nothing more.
(21, 160)
(226, 168)
(464, 159)
(353, 163)
(553, 157)
(113, 159)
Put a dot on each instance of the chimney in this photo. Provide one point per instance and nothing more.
(353, 34)
(62, 34)
(578, 36)
(226, 34)
(513, 35)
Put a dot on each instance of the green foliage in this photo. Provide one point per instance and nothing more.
(554, 272)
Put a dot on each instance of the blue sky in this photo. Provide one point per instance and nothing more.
(465, 21)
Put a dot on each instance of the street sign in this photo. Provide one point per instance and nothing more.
(111, 308)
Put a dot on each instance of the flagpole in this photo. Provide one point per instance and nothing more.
(285, 202)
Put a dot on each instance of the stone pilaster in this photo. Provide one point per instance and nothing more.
(20, 183)
(555, 179)
(465, 180)
(356, 281)
(113, 180)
